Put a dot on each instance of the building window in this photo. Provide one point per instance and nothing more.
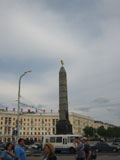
(9, 120)
(53, 121)
(53, 130)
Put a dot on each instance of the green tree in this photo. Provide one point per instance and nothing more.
(102, 131)
(89, 131)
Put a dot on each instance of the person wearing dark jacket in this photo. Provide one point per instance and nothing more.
(49, 152)
(80, 153)
(87, 149)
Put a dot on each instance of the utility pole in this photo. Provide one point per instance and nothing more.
(18, 115)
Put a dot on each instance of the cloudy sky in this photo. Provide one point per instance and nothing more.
(36, 34)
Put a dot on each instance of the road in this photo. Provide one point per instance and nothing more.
(100, 156)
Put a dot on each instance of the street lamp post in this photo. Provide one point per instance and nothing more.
(18, 115)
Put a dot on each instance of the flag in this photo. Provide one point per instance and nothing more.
(28, 110)
(44, 111)
(14, 109)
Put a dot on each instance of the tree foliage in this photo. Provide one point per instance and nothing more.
(101, 131)
(89, 131)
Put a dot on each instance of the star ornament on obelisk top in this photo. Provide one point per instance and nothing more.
(62, 62)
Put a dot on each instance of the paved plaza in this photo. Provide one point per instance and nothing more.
(101, 156)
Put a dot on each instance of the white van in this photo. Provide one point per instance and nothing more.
(61, 142)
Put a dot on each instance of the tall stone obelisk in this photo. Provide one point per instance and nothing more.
(63, 126)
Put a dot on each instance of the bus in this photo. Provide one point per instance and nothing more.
(61, 142)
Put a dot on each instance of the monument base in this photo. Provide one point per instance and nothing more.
(63, 127)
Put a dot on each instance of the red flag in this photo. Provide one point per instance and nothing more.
(6, 108)
(13, 109)
(28, 110)
(44, 111)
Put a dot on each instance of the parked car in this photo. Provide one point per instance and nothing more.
(104, 147)
(116, 141)
(37, 146)
(28, 152)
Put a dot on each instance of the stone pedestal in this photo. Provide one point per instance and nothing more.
(63, 127)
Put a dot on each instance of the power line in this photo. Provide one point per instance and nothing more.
(26, 105)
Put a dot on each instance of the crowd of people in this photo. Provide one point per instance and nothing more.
(18, 153)
(11, 153)
(83, 151)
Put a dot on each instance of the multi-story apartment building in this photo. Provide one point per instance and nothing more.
(35, 125)
(99, 123)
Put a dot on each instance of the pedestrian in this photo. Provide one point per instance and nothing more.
(80, 153)
(19, 150)
(7, 154)
(87, 149)
(49, 152)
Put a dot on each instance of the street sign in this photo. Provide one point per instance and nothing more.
(15, 133)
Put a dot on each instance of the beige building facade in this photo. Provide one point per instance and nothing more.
(35, 125)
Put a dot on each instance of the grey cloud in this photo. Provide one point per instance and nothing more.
(85, 34)
(101, 100)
